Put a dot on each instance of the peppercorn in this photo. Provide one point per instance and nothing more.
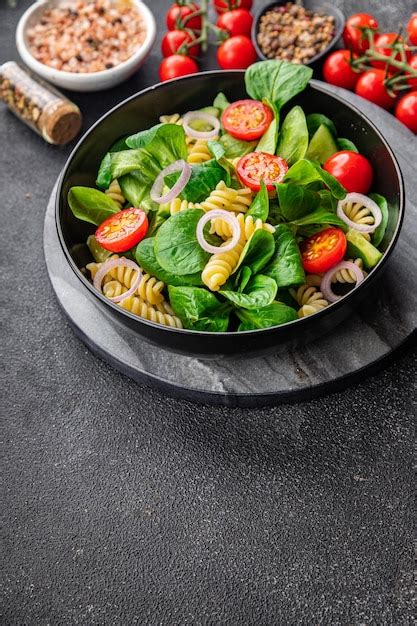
(293, 33)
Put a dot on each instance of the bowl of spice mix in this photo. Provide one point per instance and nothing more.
(297, 32)
(85, 45)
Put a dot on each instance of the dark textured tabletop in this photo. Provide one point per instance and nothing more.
(123, 506)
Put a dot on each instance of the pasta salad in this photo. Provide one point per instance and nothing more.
(234, 217)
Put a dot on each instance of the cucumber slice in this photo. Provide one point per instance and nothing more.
(322, 145)
(98, 253)
(357, 246)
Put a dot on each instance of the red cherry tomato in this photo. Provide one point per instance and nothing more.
(337, 70)
(412, 29)
(236, 22)
(236, 53)
(351, 169)
(247, 119)
(177, 65)
(324, 250)
(173, 40)
(353, 36)
(384, 45)
(222, 6)
(123, 230)
(406, 110)
(177, 13)
(261, 166)
(413, 64)
(371, 87)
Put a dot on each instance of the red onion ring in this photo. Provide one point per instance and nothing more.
(227, 217)
(111, 264)
(177, 166)
(326, 281)
(206, 117)
(367, 203)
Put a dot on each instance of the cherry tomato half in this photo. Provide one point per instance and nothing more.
(337, 70)
(236, 22)
(384, 45)
(123, 230)
(247, 120)
(322, 251)
(222, 6)
(178, 13)
(353, 36)
(413, 64)
(261, 166)
(406, 110)
(351, 169)
(177, 65)
(173, 40)
(412, 29)
(371, 87)
(236, 53)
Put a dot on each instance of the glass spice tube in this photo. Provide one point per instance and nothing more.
(40, 106)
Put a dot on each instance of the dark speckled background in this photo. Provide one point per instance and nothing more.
(123, 506)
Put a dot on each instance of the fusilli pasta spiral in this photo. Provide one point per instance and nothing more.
(223, 197)
(223, 229)
(199, 152)
(359, 214)
(309, 299)
(149, 288)
(115, 193)
(174, 118)
(176, 205)
(161, 313)
(222, 264)
(347, 276)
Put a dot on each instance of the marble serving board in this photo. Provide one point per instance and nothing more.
(357, 347)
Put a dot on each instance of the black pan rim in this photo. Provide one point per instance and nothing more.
(329, 310)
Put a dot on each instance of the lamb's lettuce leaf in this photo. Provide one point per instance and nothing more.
(276, 81)
(199, 309)
(91, 205)
(274, 314)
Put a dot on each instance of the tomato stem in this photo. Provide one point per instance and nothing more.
(405, 71)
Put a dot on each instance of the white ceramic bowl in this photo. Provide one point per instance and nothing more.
(93, 81)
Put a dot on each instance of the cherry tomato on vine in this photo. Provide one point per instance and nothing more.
(173, 40)
(406, 110)
(123, 230)
(261, 166)
(351, 169)
(222, 6)
(412, 29)
(337, 70)
(324, 250)
(177, 65)
(177, 13)
(247, 120)
(383, 45)
(236, 22)
(353, 36)
(236, 53)
(413, 64)
(371, 87)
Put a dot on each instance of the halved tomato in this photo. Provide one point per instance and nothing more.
(247, 120)
(323, 250)
(261, 166)
(123, 230)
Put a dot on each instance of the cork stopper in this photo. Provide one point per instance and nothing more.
(60, 122)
